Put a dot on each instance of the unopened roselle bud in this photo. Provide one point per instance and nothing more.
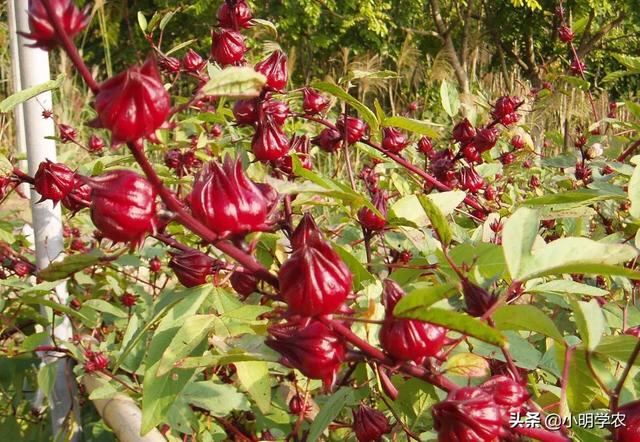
(356, 128)
(300, 145)
(123, 205)
(276, 111)
(269, 143)
(79, 197)
(463, 132)
(298, 405)
(534, 182)
(369, 424)
(245, 112)
(581, 141)
(329, 140)
(170, 65)
(507, 393)
(95, 361)
(504, 110)
(227, 201)
(490, 193)
(173, 159)
(133, 104)
(20, 268)
(507, 158)
(425, 145)
(313, 349)
(42, 31)
(369, 219)
(67, 133)
(243, 283)
(468, 414)
(470, 180)
(630, 432)
(565, 34)
(517, 142)
(227, 47)
(583, 172)
(305, 233)
(129, 300)
(314, 280)
(155, 265)
(391, 294)
(393, 140)
(192, 267)
(313, 101)
(471, 154)
(412, 107)
(96, 144)
(577, 67)
(478, 301)
(633, 331)
(193, 62)
(234, 14)
(53, 181)
(486, 138)
(274, 67)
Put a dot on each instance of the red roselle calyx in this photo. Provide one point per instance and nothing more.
(227, 47)
(393, 140)
(508, 394)
(425, 145)
(306, 232)
(235, 14)
(129, 300)
(470, 180)
(356, 128)
(95, 361)
(170, 65)
(630, 432)
(369, 219)
(133, 104)
(313, 349)
(463, 132)
(79, 197)
(42, 32)
(329, 140)
(276, 111)
(314, 280)
(227, 201)
(274, 67)
(504, 110)
(517, 142)
(565, 34)
(245, 112)
(300, 145)
(369, 424)
(243, 283)
(486, 138)
(313, 101)
(123, 205)
(53, 181)
(96, 144)
(192, 267)
(193, 62)
(269, 143)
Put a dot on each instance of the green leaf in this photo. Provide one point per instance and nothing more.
(438, 221)
(618, 347)
(335, 90)
(467, 365)
(254, 377)
(47, 377)
(518, 236)
(412, 125)
(634, 193)
(167, 17)
(180, 46)
(634, 108)
(142, 21)
(567, 286)
(267, 24)
(423, 298)
(20, 97)
(103, 306)
(409, 207)
(450, 99)
(628, 61)
(360, 272)
(6, 168)
(459, 322)
(236, 82)
(328, 413)
(194, 330)
(526, 317)
(577, 198)
(69, 265)
(590, 322)
(415, 400)
(218, 399)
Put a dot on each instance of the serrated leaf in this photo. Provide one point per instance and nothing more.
(335, 90)
(218, 399)
(234, 82)
(70, 265)
(589, 321)
(526, 317)
(328, 412)
(467, 365)
(423, 297)
(254, 377)
(194, 330)
(412, 125)
(20, 97)
(438, 221)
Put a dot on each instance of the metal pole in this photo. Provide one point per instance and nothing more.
(46, 219)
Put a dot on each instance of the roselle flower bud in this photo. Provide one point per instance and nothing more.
(96, 144)
(79, 197)
(425, 145)
(369, 424)
(313, 102)
(4, 185)
(274, 67)
(441, 164)
(277, 111)
(192, 267)
(95, 361)
(577, 67)
(356, 128)
(565, 34)
(630, 432)
(269, 143)
(463, 132)
(486, 138)
(534, 182)
(73, 21)
(237, 16)
(391, 294)
(133, 104)
(517, 142)
(227, 47)
(243, 283)
(507, 158)
(468, 414)
(67, 133)
(477, 299)
(20, 268)
(314, 280)
(471, 154)
(227, 201)
(155, 265)
(504, 110)
(582, 172)
(128, 300)
(245, 112)
(123, 205)
(53, 181)
(369, 219)
(329, 140)
(313, 349)
(413, 106)
(490, 193)
(633, 331)
(170, 65)
(300, 144)
(299, 406)
(193, 62)
(173, 159)
(507, 393)
(393, 140)
(470, 180)
(305, 233)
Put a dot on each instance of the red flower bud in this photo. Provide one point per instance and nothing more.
(227, 47)
(79, 197)
(329, 140)
(314, 350)
(123, 205)
(565, 33)
(227, 201)
(298, 406)
(356, 128)
(95, 361)
(633, 331)
(507, 158)
(468, 414)
(155, 265)
(630, 432)
(300, 144)
(314, 280)
(269, 143)
(477, 299)
(471, 154)
(470, 180)
(504, 110)
(235, 15)
(369, 424)
(73, 21)
(507, 393)
(245, 112)
(486, 138)
(276, 111)
(582, 172)
(391, 294)
(53, 181)
(463, 132)
(425, 145)
(129, 300)
(534, 182)
(413, 106)
(67, 133)
(274, 67)
(20, 268)
(577, 67)
(193, 62)
(192, 267)
(170, 65)
(517, 142)
(133, 104)
(305, 233)
(369, 219)
(243, 283)
(96, 144)
(314, 102)
(490, 193)
(393, 140)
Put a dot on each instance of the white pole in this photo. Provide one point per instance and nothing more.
(46, 219)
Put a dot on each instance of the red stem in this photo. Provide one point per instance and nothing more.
(628, 151)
